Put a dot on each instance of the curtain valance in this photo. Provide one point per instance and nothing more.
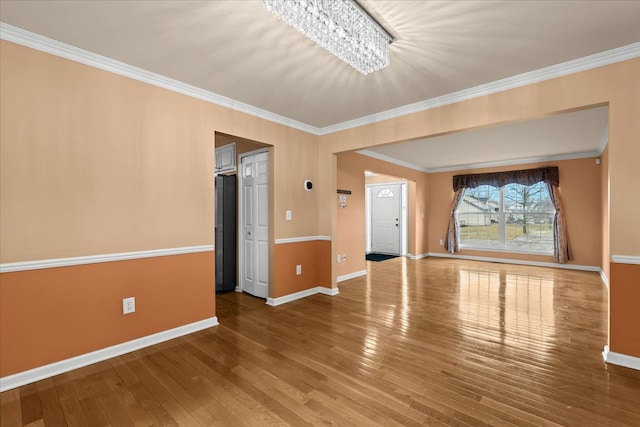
(548, 175)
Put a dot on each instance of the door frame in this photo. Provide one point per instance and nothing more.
(404, 214)
(240, 236)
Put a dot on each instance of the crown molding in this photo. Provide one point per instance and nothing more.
(607, 57)
(511, 162)
(63, 50)
(392, 160)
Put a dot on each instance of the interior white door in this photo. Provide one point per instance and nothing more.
(254, 227)
(386, 218)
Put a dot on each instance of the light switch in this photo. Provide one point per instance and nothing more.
(288, 215)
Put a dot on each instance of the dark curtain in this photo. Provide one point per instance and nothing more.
(548, 175)
(452, 242)
(561, 250)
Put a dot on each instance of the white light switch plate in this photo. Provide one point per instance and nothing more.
(128, 305)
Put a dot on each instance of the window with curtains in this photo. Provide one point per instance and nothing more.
(513, 217)
(512, 210)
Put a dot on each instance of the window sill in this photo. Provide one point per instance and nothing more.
(506, 249)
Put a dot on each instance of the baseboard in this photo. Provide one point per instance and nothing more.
(352, 275)
(302, 294)
(16, 380)
(620, 359)
(517, 261)
(604, 278)
(419, 256)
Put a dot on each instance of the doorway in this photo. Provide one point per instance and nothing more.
(386, 218)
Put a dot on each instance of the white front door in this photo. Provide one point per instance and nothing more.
(254, 224)
(386, 218)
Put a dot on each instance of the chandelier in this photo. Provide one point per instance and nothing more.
(340, 26)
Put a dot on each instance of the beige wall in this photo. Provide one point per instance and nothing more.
(580, 189)
(350, 236)
(604, 211)
(92, 163)
(96, 163)
(616, 85)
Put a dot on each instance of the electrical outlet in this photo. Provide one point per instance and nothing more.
(298, 269)
(339, 258)
(288, 215)
(441, 242)
(128, 305)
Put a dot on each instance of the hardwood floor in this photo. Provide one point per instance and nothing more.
(427, 342)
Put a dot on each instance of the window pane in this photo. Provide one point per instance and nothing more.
(523, 220)
(479, 216)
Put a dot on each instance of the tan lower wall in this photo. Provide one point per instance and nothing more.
(313, 256)
(624, 320)
(53, 314)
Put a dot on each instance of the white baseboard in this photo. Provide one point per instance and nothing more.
(419, 256)
(604, 278)
(517, 261)
(620, 359)
(302, 294)
(352, 275)
(16, 380)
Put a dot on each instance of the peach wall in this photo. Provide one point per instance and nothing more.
(616, 85)
(56, 313)
(93, 162)
(313, 256)
(351, 226)
(580, 188)
(350, 237)
(604, 211)
(96, 163)
(624, 318)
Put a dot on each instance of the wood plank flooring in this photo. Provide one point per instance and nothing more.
(427, 342)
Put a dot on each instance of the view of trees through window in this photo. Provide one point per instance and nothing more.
(512, 217)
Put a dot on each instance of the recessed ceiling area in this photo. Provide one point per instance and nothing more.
(576, 134)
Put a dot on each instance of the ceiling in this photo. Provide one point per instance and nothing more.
(239, 50)
(570, 135)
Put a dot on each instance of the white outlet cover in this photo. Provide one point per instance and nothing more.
(298, 269)
(128, 305)
(288, 215)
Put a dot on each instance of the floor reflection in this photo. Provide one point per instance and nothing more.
(507, 308)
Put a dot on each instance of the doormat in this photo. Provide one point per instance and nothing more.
(379, 257)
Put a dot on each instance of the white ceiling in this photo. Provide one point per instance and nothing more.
(239, 50)
(577, 134)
